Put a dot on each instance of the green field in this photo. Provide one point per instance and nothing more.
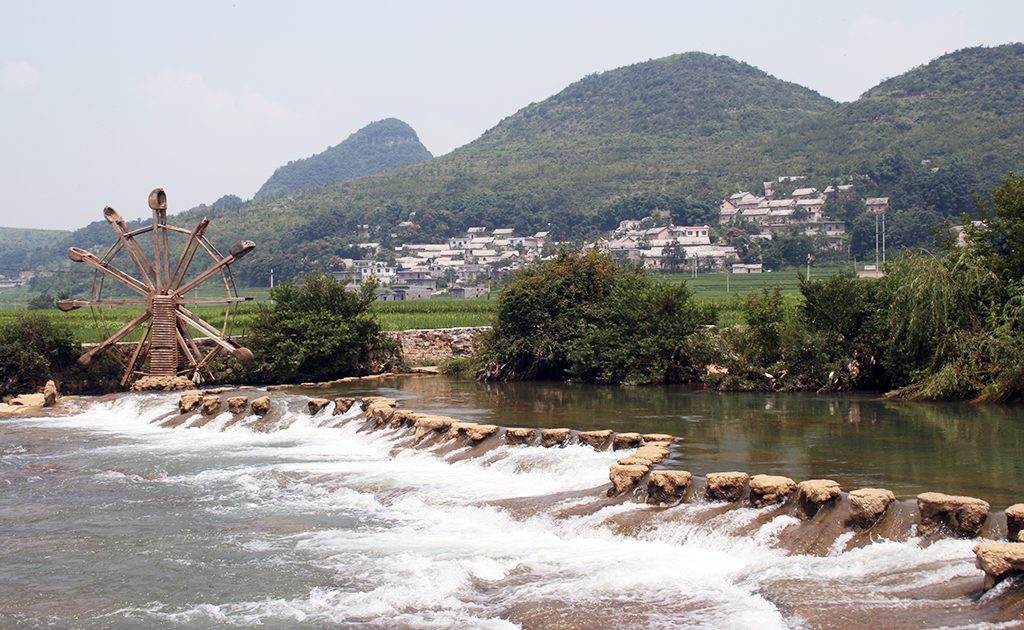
(725, 291)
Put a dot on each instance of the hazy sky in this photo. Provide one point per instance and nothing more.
(102, 101)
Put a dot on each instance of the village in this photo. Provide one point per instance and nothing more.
(469, 264)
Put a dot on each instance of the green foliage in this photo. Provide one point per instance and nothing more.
(377, 147)
(315, 330)
(580, 316)
(33, 349)
(1001, 239)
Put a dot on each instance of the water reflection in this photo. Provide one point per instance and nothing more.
(856, 440)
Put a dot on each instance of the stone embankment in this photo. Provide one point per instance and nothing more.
(30, 403)
(863, 511)
(429, 346)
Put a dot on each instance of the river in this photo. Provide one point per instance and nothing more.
(110, 520)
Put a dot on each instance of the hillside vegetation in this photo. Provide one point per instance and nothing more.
(677, 134)
(377, 147)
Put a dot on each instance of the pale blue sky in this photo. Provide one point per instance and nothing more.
(102, 101)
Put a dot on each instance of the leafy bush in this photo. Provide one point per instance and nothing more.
(34, 349)
(581, 316)
(316, 330)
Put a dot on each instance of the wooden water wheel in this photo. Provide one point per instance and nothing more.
(174, 340)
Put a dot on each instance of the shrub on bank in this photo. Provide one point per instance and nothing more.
(581, 316)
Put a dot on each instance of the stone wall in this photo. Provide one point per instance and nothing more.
(433, 345)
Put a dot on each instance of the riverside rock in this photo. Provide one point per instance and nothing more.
(726, 486)
(342, 405)
(520, 436)
(768, 489)
(667, 486)
(595, 439)
(428, 424)
(189, 401)
(868, 505)
(316, 405)
(814, 494)
(657, 437)
(237, 404)
(162, 383)
(999, 560)
(50, 394)
(1015, 523)
(554, 437)
(473, 431)
(260, 406)
(625, 476)
(964, 516)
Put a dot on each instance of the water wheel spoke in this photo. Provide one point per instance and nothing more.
(86, 358)
(140, 351)
(134, 251)
(187, 253)
(238, 250)
(70, 305)
(78, 254)
(211, 332)
(215, 300)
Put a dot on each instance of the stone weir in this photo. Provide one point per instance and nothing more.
(825, 511)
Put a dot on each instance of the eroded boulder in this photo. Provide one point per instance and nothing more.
(814, 494)
(517, 436)
(999, 560)
(50, 394)
(667, 486)
(428, 424)
(1015, 523)
(211, 405)
(237, 404)
(768, 489)
(554, 437)
(316, 405)
(626, 440)
(162, 383)
(260, 406)
(868, 505)
(472, 431)
(342, 405)
(624, 476)
(595, 439)
(963, 516)
(657, 437)
(726, 486)
(189, 401)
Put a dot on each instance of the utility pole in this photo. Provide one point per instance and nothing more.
(809, 259)
(271, 278)
(876, 243)
(883, 237)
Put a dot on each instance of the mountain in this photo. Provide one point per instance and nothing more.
(17, 245)
(375, 148)
(677, 134)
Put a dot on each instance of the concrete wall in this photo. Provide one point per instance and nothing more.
(432, 345)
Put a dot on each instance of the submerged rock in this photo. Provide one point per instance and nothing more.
(667, 486)
(260, 406)
(237, 404)
(999, 560)
(964, 516)
(657, 437)
(768, 489)
(868, 505)
(1015, 523)
(726, 486)
(554, 437)
(316, 405)
(814, 494)
(625, 476)
(520, 436)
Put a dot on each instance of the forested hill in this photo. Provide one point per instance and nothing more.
(375, 148)
(18, 244)
(675, 134)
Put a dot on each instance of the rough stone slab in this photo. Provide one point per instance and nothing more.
(260, 406)
(211, 405)
(1015, 522)
(316, 405)
(868, 505)
(626, 440)
(162, 383)
(999, 560)
(520, 436)
(554, 437)
(426, 424)
(473, 431)
(625, 476)
(768, 489)
(964, 516)
(189, 401)
(342, 405)
(595, 439)
(658, 437)
(814, 494)
(237, 404)
(667, 486)
(726, 486)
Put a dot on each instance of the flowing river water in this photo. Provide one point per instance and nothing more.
(110, 520)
